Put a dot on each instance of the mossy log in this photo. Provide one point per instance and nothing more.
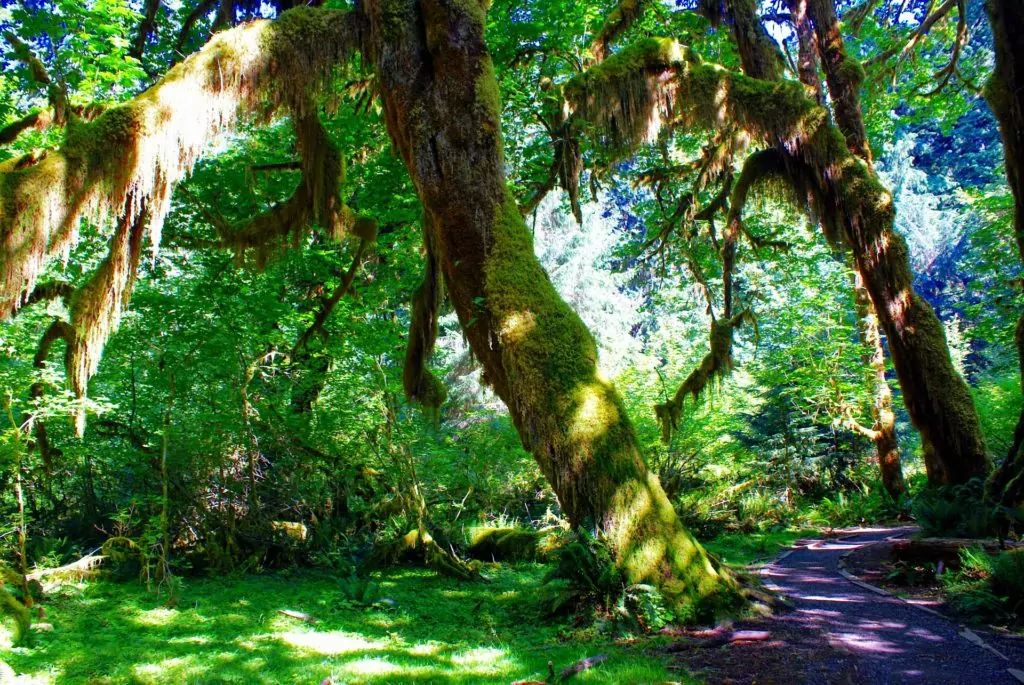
(420, 547)
(505, 544)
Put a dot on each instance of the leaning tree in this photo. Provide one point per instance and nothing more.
(435, 81)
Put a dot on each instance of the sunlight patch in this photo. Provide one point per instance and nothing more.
(482, 659)
(428, 649)
(167, 668)
(160, 616)
(517, 326)
(370, 666)
(331, 643)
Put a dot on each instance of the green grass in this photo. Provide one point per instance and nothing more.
(229, 630)
(742, 549)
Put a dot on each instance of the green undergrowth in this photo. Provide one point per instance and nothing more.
(420, 628)
(742, 549)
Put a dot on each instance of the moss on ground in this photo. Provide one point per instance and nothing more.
(429, 630)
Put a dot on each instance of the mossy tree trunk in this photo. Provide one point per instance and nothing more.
(1005, 94)
(850, 196)
(848, 116)
(442, 109)
(883, 432)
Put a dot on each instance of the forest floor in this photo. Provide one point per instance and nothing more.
(432, 629)
(841, 632)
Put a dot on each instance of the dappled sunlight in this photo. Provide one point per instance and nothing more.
(863, 643)
(370, 667)
(517, 326)
(160, 616)
(426, 636)
(482, 660)
(595, 412)
(330, 643)
(178, 668)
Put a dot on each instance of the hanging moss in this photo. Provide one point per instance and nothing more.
(138, 151)
(716, 364)
(420, 384)
(627, 95)
(96, 308)
(365, 228)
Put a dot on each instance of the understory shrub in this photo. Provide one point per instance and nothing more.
(585, 579)
(955, 511)
(987, 587)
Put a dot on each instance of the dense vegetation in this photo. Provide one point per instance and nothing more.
(368, 304)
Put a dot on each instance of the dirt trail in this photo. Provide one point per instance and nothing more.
(841, 633)
(883, 639)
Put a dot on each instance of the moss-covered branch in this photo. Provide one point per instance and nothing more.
(658, 80)
(716, 364)
(139, 150)
(315, 200)
(625, 14)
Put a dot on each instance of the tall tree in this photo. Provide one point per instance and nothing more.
(1005, 94)
(442, 110)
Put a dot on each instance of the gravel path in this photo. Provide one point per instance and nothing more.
(872, 638)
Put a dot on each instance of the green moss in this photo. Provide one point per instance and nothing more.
(851, 71)
(551, 360)
(105, 141)
(504, 544)
(17, 612)
(431, 629)
(621, 93)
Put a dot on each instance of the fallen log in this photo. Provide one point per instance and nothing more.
(297, 615)
(73, 572)
(719, 639)
(581, 665)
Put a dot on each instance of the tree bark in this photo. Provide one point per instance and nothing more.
(852, 203)
(442, 109)
(884, 429)
(843, 74)
(1005, 94)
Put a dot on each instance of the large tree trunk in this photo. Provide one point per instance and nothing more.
(936, 396)
(1005, 94)
(443, 111)
(883, 432)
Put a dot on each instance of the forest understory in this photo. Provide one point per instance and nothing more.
(468, 341)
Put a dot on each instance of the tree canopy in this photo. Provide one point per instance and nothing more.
(336, 284)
